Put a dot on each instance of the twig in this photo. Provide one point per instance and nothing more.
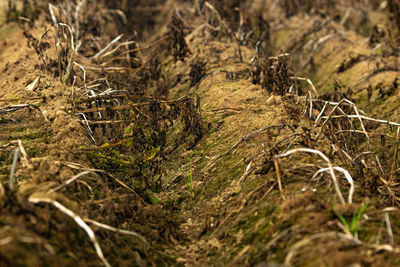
(396, 149)
(278, 175)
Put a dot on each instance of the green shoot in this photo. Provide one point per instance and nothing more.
(190, 177)
(354, 225)
(66, 75)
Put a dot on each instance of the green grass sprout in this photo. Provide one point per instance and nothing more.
(354, 226)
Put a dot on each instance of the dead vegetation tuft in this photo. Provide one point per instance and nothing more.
(178, 44)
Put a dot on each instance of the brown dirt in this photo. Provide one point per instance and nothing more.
(193, 93)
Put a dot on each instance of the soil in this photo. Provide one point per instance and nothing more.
(195, 133)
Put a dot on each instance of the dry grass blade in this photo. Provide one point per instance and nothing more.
(366, 118)
(13, 167)
(308, 81)
(389, 228)
(113, 229)
(293, 250)
(325, 158)
(102, 51)
(78, 220)
(69, 181)
(387, 221)
(25, 156)
(346, 174)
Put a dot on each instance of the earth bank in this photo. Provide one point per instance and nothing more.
(165, 133)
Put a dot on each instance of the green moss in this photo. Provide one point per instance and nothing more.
(282, 38)
(7, 30)
(182, 90)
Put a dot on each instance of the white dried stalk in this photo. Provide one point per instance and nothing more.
(379, 164)
(102, 51)
(361, 122)
(327, 118)
(22, 150)
(308, 81)
(69, 181)
(389, 228)
(78, 220)
(71, 32)
(344, 152)
(117, 47)
(52, 15)
(325, 158)
(212, 8)
(84, 72)
(387, 221)
(87, 126)
(77, 11)
(366, 118)
(120, 13)
(322, 112)
(105, 69)
(346, 174)
(13, 167)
